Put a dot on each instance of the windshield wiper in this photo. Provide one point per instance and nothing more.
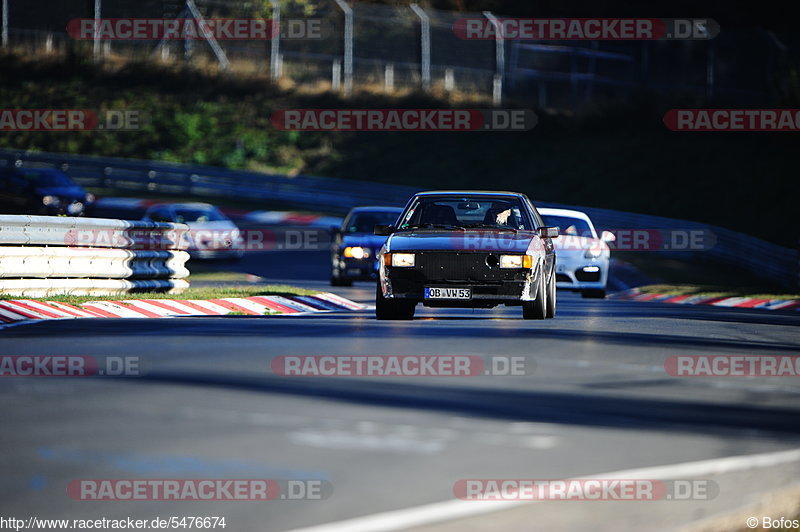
(434, 226)
(490, 226)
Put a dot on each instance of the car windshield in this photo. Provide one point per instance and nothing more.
(468, 212)
(185, 215)
(568, 225)
(365, 222)
(47, 178)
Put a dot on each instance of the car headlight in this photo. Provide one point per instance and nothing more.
(399, 260)
(516, 261)
(356, 252)
(51, 201)
(592, 253)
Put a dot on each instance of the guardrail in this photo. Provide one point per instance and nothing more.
(305, 192)
(47, 255)
(763, 259)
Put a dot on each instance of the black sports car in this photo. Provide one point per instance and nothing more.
(467, 249)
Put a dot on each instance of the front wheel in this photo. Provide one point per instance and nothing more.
(551, 298)
(387, 309)
(536, 309)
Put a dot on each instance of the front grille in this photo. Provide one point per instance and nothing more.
(457, 266)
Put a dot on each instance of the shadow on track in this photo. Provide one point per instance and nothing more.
(363, 325)
(563, 408)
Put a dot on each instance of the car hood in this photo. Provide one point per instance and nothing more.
(364, 240)
(566, 244)
(63, 192)
(482, 240)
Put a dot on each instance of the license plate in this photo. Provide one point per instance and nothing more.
(448, 293)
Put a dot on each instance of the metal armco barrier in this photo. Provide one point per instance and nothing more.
(48, 255)
(765, 260)
(335, 196)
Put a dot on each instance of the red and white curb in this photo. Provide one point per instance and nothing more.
(17, 310)
(634, 294)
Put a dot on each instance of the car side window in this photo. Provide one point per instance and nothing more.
(161, 215)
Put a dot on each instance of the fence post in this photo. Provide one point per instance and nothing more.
(275, 40)
(500, 59)
(97, 15)
(449, 80)
(336, 74)
(425, 45)
(388, 78)
(5, 24)
(212, 42)
(348, 46)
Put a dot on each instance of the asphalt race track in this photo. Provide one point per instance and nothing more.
(597, 400)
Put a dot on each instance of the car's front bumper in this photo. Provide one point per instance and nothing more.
(356, 269)
(502, 287)
(575, 272)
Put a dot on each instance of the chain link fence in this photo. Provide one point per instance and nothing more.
(379, 47)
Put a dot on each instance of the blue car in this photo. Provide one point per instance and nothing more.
(42, 191)
(354, 246)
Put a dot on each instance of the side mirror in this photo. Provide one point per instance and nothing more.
(383, 230)
(608, 236)
(548, 232)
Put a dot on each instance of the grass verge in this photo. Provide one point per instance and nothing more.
(711, 291)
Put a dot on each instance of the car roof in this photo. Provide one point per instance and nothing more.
(469, 192)
(544, 211)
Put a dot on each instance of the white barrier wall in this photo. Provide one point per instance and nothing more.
(50, 255)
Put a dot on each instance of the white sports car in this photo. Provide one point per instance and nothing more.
(581, 256)
(211, 235)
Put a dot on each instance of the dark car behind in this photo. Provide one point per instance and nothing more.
(42, 191)
(355, 247)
